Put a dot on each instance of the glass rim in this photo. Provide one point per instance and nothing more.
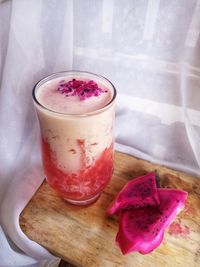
(59, 74)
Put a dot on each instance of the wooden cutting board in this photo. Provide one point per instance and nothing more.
(85, 236)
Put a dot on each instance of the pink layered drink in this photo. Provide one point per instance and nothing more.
(76, 115)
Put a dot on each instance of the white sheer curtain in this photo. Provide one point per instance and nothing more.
(148, 48)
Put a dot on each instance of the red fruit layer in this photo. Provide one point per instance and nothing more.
(85, 184)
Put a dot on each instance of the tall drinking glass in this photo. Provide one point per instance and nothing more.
(76, 115)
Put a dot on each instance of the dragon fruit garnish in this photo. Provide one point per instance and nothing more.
(82, 89)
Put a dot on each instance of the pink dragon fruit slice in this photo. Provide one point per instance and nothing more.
(137, 193)
(142, 229)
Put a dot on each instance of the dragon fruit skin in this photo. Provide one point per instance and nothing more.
(142, 229)
(137, 193)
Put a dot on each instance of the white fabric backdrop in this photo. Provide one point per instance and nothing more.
(148, 48)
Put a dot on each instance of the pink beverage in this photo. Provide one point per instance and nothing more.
(76, 115)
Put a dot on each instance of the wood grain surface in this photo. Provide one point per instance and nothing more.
(85, 236)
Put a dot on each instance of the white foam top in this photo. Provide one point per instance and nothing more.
(49, 97)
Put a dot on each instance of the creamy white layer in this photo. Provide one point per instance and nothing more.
(62, 131)
(51, 98)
